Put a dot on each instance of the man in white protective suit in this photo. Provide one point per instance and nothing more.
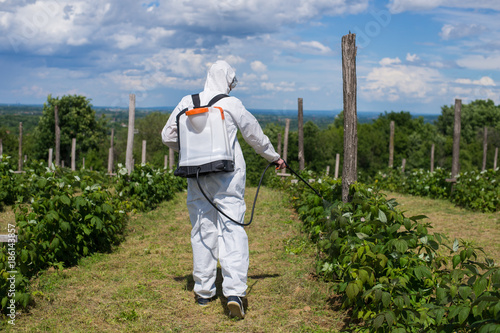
(214, 237)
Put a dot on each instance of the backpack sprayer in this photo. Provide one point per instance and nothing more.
(204, 147)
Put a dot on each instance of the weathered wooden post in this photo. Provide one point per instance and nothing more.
(327, 170)
(73, 154)
(349, 170)
(83, 163)
(285, 144)
(165, 161)
(391, 145)
(485, 147)
(495, 159)
(20, 162)
(432, 158)
(455, 166)
(49, 161)
(1, 148)
(403, 165)
(171, 158)
(111, 156)
(58, 136)
(337, 165)
(143, 159)
(279, 144)
(301, 135)
(129, 159)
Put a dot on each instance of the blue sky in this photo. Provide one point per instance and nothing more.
(413, 55)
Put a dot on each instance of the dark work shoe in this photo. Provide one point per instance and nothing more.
(235, 306)
(203, 301)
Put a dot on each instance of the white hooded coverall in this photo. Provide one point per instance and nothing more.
(213, 236)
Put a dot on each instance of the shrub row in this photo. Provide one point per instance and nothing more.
(474, 190)
(390, 272)
(62, 216)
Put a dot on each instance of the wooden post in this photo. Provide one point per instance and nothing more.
(1, 148)
(495, 159)
(327, 170)
(455, 166)
(20, 162)
(485, 147)
(285, 144)
(403, 165)
(58, 136)
(62, 163)
(110, 160)
(391, 145)
(73, 154)
(337, 165)
(129, 159)
(49, 162)
(83, 163)
(171, 158)
(432, 158)
(165, 162)
(349, 170)
(143, 160)
(111, 155)
(301, 135)
(279, 144)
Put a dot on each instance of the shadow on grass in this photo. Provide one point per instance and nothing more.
(218, 284)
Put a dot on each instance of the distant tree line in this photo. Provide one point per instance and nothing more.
(413, 138)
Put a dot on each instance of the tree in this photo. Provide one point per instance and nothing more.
(77, 120)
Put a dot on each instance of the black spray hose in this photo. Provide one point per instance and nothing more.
(256, 193)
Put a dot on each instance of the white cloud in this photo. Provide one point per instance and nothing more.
(484, 81)
(316, 47)
(389, 61)
(281, 87)
(412, 57)
(258, 66)
(449, 31)
(399, 6)
(401, 82)
(481, 62)
(124, 41)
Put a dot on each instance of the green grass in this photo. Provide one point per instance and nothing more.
(145, 285)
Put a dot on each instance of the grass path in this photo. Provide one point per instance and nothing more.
(146, 284)
(455, 222)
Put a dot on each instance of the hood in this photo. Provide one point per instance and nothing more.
(219, 77)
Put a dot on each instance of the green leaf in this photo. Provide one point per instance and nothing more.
(422, 271)
(363, 275)
(407, 223)
(361, 235)
(463, 314)
(439, 315)
(390, 317)
(352, 290)
(401, 245)
(399, 330)
(418, 217)
(65, 200)
(465, 291)
(480, 286)
(65, 226)
(386, 299)
(456, 260)
(382, 217)
(379, 320)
